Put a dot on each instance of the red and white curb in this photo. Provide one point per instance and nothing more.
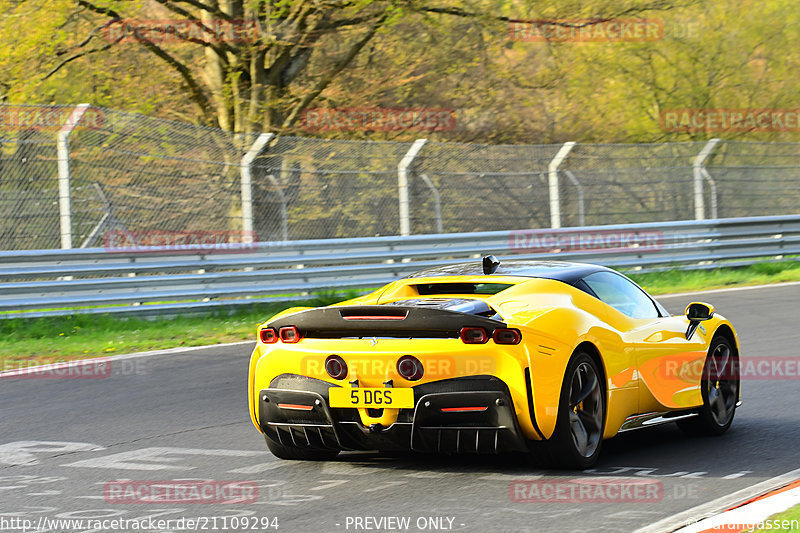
(739, 511)
(751, 515)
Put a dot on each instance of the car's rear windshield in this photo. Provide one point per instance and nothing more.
(461, 288)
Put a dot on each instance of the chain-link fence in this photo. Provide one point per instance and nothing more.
(480, 187)
(68, 182)
(305, 188)
(29, 215)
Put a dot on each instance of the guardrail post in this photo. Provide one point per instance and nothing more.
(64, 186)
(247, 184)
(555, 196)
(698, 169)
(402, 185)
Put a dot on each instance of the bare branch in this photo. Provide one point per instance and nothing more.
(220, 48)
(214, 10)
(72, 58)
(100, 10)
(656, 5)
(458, 12)
(88, 38)
(196, 92)
(341, 23)
(340, 65)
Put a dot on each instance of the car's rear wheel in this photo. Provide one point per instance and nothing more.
(720, 389)
(578, 436)
(282, 451)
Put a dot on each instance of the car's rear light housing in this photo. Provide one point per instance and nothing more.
(336, 367)
(470, 335)
(477, 409)
(506, 336)
(290, 334)
(375, 314)
(268, 335)
(296, 407)
(410, 368)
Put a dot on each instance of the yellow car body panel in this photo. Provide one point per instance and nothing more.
(372, 365)
(644, 362)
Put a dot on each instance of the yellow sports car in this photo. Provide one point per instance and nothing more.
(543, 357)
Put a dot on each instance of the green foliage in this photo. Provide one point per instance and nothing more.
(69, 337)
(672, 281)
(425, 54)
(776, 521)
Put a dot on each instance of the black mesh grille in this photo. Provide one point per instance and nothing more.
(296, 382)
(463, 384)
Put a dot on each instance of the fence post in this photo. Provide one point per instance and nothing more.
(402, 185)
(247, 184)
(581, 201)
(437, 202)
(712, 185)
(284, 213)
(64, 187)
(555, 196)
(697, 169)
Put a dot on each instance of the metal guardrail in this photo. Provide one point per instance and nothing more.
(170, 281)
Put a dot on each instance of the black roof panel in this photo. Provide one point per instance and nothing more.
(557, 270)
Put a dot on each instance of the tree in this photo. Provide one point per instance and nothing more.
(256, 65)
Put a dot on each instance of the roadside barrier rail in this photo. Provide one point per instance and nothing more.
(179, 279)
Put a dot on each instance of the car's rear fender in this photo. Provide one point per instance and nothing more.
(555, 336)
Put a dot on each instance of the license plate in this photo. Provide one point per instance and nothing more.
(373, 398)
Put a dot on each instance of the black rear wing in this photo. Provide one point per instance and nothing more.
(383, 321)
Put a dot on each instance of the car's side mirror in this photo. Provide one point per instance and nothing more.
(697, 312)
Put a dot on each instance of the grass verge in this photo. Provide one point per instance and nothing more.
(672, 281)
(55, 339)
(788, 520)
(47, 340)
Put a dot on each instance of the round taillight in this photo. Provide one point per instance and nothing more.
(290, 334)
(268, 335)
(410, 368)
(336, 367)
(474, 336)
(507, 336)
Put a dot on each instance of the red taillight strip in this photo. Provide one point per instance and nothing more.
(375, 317)
(462, 409)
(295, 406)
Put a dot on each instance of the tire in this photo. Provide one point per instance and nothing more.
(303, 454)
(578, 436)
(720, 389)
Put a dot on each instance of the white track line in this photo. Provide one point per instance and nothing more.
(136, 355)
(690, 517)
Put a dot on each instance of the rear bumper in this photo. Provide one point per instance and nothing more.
(304, 419)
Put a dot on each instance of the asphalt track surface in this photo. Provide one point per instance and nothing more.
(182, 416)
